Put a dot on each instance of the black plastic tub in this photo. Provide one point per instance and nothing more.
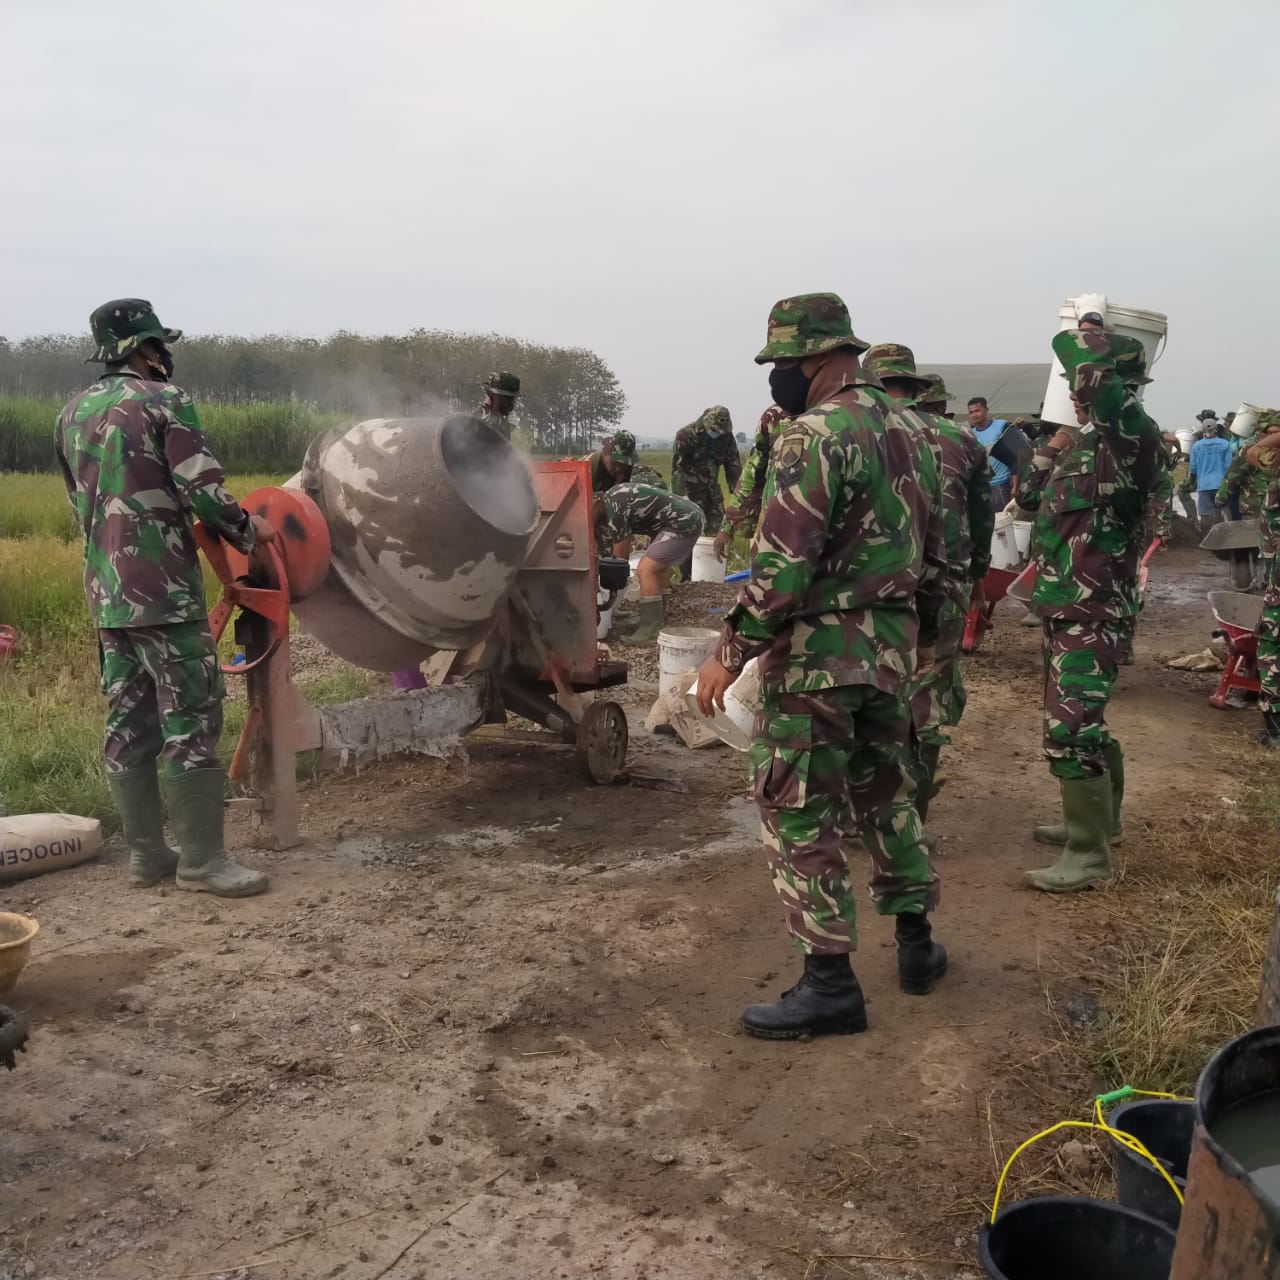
(1074, 1238)
(1164, 1126)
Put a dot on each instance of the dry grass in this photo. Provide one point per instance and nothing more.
(1187, 928)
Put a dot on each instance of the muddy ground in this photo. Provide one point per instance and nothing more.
(485, 1024)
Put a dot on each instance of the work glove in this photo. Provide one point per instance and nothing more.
(1012, 509)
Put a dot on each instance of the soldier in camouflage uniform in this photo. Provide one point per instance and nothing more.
(137, 473)
(1090, 485)
(699, 452)
(613, 462)
(846, 580)
(1264, 454)
(671, 523)
(1243, 490)
(938, 697)
(742, 513)
(500, 392)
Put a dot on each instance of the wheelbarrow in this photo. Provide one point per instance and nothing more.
(1019, 584)
(997, 584)
(1235, 541)
(1237, 616)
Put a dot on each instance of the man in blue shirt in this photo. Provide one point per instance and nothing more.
(1210, 458)
(1004, 478)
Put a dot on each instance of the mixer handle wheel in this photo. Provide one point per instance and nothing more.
(269, 603)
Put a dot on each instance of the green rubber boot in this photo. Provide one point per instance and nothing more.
(1086, 857)
(651, 618)
(1056, 833)
(195, 809)
(136, 793)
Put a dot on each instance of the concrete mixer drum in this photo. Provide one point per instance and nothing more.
(430, 520)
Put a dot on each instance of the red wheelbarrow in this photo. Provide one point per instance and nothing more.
(1237, 616)
(1020, 583)
(995, 586)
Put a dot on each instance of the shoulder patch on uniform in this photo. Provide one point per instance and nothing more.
(790, 452)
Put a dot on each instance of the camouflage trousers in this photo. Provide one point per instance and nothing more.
(711, 502)
(938, 698)
(1080, 665)
(822, 761)
(1269, 641)
(164, 696)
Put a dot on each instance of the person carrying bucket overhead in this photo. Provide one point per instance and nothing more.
(1083, 483)
(672, 524)
(847, 582)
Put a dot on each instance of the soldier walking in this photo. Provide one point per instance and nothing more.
(1088, 485)
(137, 472)
(968, 521)
(1264, 454)
(846, 581)
(742, 513)
(701, 449)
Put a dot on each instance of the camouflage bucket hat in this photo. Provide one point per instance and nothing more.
(1078, 347)
(502, 384)
(893, 360)
(120, 325)
(936, 390)
(807, 325)
(1130, 357)
(622, 445)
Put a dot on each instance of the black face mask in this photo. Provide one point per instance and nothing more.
(790, 388)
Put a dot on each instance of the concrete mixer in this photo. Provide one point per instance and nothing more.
(404, 541)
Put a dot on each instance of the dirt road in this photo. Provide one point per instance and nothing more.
(486, 1023)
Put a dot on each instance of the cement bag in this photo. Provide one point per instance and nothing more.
(31, 843)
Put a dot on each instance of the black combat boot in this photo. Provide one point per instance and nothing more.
(921, 961)
(1270, 735)
(826, 1001)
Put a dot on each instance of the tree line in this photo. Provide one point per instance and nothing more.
(569, 397)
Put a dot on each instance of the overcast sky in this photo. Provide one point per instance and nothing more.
(645, 178)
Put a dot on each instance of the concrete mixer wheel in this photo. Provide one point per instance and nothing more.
(602, 741)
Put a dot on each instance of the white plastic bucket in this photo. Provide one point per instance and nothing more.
(606, 615)
(1149, 327)
(682, 648)
(735, 725)
(1186, 438)
(1245, 423)
(707, 566)
(1022, 538)
(1004, 547)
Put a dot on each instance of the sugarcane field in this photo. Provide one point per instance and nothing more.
(552, 727)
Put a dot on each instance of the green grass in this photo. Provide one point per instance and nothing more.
(270, 436)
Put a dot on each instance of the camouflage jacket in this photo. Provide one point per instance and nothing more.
(847, 568)
(1245, 481)
(502, 425)
(968, 520)
(642, 508)
(602, 481)
(743, 509)
(1269, 520)
(1090, 487)
(696, 461)
(137, 471)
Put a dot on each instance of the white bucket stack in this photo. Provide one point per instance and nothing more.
(1151, 328)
